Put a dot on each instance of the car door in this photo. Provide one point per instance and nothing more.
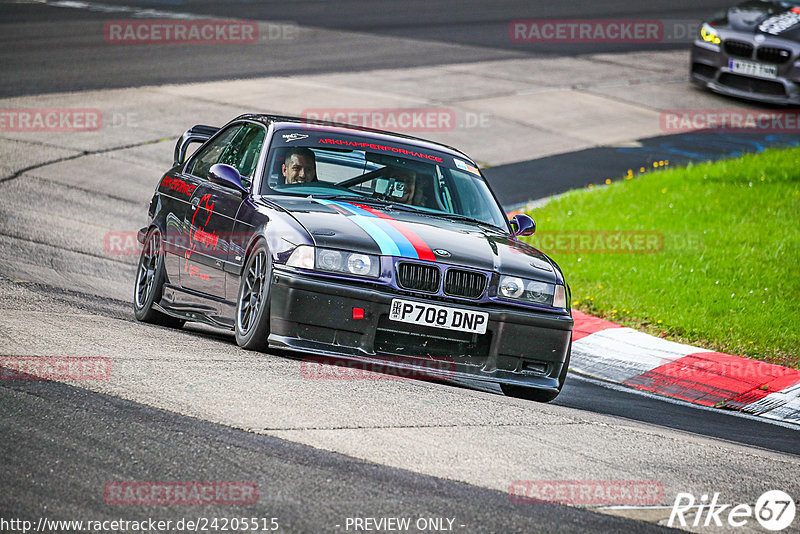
(189, 178)
(209, 222)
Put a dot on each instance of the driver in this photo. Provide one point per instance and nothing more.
(299, 166)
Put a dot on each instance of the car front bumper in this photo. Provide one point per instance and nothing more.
(709, 68)
(315, 316)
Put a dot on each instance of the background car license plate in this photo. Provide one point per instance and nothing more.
(408, 311)
(753, 68)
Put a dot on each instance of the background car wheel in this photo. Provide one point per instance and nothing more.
(252, 305)
(150, 283)
(539, 395)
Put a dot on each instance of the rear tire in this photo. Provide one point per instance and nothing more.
(539, 395)
(149, 284)
(252, 303)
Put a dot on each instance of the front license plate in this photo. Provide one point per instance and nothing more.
(753, 68)
(409, 311)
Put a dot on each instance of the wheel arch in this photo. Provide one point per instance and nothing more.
(254, 240)
(282, 235)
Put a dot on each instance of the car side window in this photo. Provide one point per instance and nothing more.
(212, 153)
(243, 151)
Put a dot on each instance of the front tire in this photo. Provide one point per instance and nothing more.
(539, 395)
(150, 283)
(252, 304)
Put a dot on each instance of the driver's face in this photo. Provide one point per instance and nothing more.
(300, 169)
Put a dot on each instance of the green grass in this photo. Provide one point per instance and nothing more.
(727, 277)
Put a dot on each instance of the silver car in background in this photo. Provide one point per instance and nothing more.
(751, 51)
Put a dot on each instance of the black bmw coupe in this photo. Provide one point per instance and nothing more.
(340, 241)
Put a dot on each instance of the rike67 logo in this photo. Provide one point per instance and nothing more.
(774, 510)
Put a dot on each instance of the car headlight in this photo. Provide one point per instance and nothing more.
(709, 34)
(335, 261)
(330, 260)
(362, 265)
(513, 287)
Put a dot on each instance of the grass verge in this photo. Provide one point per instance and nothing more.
(707, 254)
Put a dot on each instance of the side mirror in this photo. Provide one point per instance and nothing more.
(523, 225)
(226, 176)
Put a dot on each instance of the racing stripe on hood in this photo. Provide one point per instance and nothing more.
(403, 244)
(421, 248)
(407, 248)
(370, 224)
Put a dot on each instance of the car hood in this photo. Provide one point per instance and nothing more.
(415, 235)
(758, 17)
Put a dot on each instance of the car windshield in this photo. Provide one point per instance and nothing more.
(408, 177)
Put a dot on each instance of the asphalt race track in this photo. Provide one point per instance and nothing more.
(308, 490)
(189, 405)
(58, 49)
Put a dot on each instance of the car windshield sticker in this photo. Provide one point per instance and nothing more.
(293, 137)
(385, 148)
(464, 166)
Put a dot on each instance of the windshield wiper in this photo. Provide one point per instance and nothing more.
(464, 218)
(388, 205)
(338, 197)
(357, 198)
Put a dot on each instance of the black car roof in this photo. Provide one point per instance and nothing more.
(282, 122)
